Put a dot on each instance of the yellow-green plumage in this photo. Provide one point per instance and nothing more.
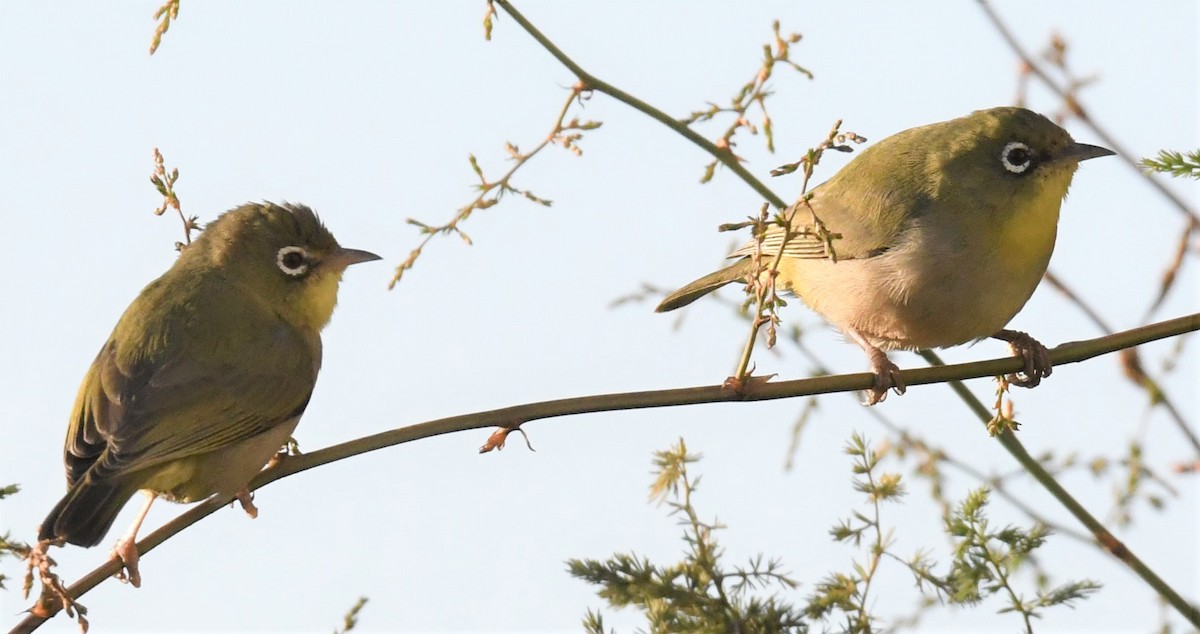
(208, 370)
(945, 231)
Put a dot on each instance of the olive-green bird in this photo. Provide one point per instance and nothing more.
(206, 374)
(941, 234)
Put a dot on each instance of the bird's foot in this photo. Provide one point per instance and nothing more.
(500, 436)
(292, 448)
(745, 385)
(887, 377)
(246, 499)
(126, 552)
(1037, 358)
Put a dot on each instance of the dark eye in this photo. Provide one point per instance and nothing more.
(1016, 157)
(292, 260)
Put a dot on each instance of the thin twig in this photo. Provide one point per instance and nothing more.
(164, 182)
(763, 279)
(725, 156)
(490, 192)
(165, 14)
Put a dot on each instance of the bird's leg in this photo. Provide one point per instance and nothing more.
(126, 549)
(887, 375)
(246, 499)
(1037, 358)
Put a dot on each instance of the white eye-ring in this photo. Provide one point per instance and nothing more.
(1016, 157)
(292, 260)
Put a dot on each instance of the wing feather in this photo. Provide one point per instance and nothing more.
(851, 235)
(191, 379)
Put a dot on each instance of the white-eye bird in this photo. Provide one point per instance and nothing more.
(941, 234)
(206, 374)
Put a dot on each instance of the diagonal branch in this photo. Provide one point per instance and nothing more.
(1071, 352)
(1105, 538)
(725, 156)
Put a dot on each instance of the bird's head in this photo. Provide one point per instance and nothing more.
(1008, 157)
(281, 254)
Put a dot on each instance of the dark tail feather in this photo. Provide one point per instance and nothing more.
(86, 512)
(705, 285)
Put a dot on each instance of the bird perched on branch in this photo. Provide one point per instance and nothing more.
(206, 374)
(933, 237)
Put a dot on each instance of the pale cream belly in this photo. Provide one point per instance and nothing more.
(912, 299)
(223, 471)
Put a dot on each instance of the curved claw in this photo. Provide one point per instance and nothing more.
(126, 552)
(887, 377)
(1037, 358)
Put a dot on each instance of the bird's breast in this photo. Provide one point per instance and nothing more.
(936, 287)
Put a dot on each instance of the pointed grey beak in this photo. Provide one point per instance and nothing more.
(1082, 152)
(343, 257)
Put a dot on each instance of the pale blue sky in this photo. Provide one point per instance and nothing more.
(367, 112)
